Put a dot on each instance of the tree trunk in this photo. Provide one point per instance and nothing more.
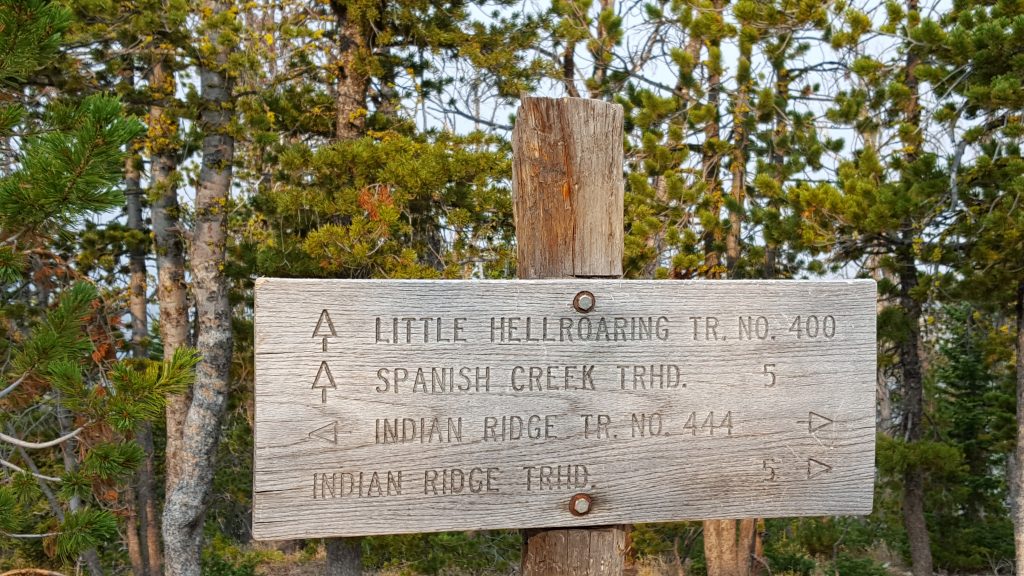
(913, 410)
(780, 132)
(567, 190)
(149, 522)
(170, 252)
(141, 524)
(738, 163)
(344, 556)
(910, 351)
(1017, 481)
(131, 533)
(726, 549)
(69, 452)
(354, 48)
(186, 501)
(711, 160)
(732, 547)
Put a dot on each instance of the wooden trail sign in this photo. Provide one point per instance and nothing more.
(416, 406)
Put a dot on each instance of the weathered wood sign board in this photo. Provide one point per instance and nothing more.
(418, 406)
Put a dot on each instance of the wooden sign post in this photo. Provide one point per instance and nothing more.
(400, 406)
(568, 194)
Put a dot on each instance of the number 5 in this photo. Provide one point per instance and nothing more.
(771, 373)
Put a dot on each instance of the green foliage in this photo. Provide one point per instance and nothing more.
(379, 206)
(446, 552)
(8, 507)
(31, 34)
(222, 558)
(59, 338)
(70, 171)
(84, 529)
(738, 133)
(852, 566)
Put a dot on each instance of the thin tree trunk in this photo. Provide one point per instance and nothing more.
(598, 52)
(149, 521)
(711, 160)
(910, 347)
(738, 164)
(1017, 482)
(353, 81)
(344, 557)
(913, 412)
(569, 69)
(69, 451)
(778, 145)
(186, 502)
(170, 252)
(136, 535)
(131, 533)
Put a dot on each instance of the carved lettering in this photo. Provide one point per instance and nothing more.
(511, 428)
(446, 481)
(329, 485)
(559, 477)
(421, 430)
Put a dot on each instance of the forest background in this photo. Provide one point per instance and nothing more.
(159, 155)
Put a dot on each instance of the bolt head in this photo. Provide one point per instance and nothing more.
(580, 504)
(584, 301)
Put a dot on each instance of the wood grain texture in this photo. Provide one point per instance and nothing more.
(567, 187)
(563, 231)
(801, 447)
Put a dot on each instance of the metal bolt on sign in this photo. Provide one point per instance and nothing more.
(584, 301)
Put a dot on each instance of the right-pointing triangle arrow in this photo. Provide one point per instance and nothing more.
(816, 422)
(328, 433)
(816, 468)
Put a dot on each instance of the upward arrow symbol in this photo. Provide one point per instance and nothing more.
(324, 329)
(324, 372)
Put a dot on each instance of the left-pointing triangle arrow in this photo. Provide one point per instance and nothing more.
(328, 433)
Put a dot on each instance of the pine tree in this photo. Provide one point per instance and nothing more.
(975, 66)
(87, 406)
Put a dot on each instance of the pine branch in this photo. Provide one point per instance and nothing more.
(14, 385)
(44, 535)
(39, 445)
(17, 468)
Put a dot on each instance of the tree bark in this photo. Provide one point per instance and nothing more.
(186, 501)
(780, 133)
(910, 356)
(1017, 481)
(738, 162)
(711, 160)
(149, 521)
(344, 556)
(69, 452)
(913, 411)
(354, 47)
(567, 191)
(140, 494)
(170, 252)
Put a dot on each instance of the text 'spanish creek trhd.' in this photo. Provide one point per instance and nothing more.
(393, 406)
